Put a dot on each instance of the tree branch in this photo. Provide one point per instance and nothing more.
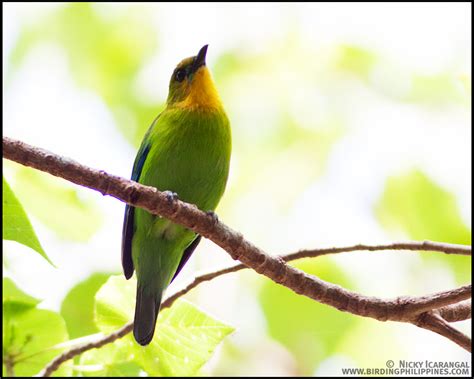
(435, 323)
(190, 216)
(405, 309)
(455, 312)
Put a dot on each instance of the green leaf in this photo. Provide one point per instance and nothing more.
(114, 303)
(414, 206)
(69, 211)
(110, 360)
(14, 296)
(185, 337)
(77, 307)
(16, 225)
(184, 340)
(311, 331)
(29, 337)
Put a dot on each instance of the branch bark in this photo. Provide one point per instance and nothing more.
(9, 366)
(403, 309)
(188, 215)
(435, 323)
(455, 312)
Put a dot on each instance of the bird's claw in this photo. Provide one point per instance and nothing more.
(171, 196)
(213, 216)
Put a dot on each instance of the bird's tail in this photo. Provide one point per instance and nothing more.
(146, 311)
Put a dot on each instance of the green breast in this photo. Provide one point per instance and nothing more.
(190, 155)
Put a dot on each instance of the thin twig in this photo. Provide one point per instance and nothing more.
(447, 248)
(9, 366)
(435, 323)
(60, 359)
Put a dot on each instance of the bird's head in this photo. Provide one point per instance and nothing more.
(191, 85)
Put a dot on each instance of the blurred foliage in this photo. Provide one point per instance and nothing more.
(15, 298)
(441, 88)
(362, 343)
(356, 60)
(413, 205)
(278, 134)
(100, 42)
(393, 80)
(15, 223)
(74, 216)
(301, 157)
(467, 83)
(77, 307)
(310, 330)
(466, 88)
(184, 340)
(29, 334)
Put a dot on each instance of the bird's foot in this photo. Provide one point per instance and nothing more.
(213, 217)
(171, 196)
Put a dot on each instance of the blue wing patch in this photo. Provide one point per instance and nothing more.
(128, 224)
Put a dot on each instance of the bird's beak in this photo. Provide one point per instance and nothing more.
(200, 59)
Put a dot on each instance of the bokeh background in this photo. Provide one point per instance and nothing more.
(351, 124)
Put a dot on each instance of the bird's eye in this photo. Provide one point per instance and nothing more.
(180, 75)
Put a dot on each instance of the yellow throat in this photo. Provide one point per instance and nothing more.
(202, 92)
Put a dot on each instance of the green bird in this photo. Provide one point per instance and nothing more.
(186, 151)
